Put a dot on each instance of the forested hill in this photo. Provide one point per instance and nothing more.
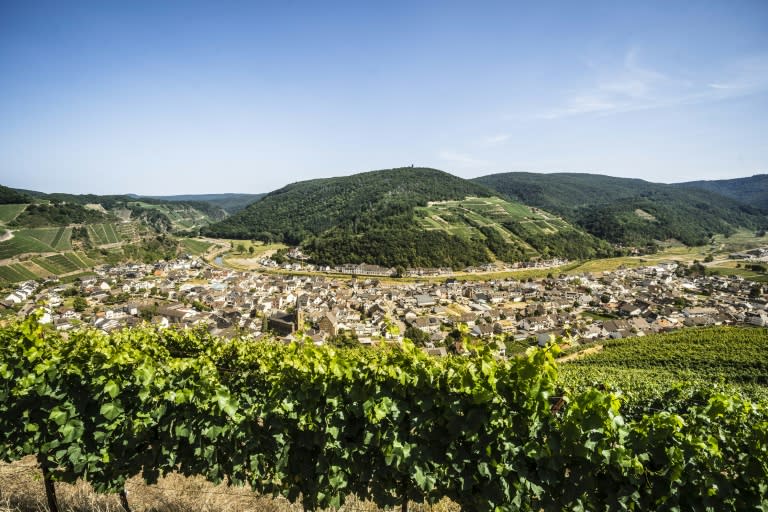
(629, 211)
(355, 203)
(11, 196)
(564, 192)
(389, 218)
(752, 191)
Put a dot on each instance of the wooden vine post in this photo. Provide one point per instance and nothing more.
(406, 480)
(50, 488)
(124, 500)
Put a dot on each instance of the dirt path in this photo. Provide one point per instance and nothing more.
(577, 355)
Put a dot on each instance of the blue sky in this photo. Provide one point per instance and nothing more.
(177, 97)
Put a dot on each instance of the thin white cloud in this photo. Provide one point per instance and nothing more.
(583, 105)
(745, 76)
(496, 139)
(634, 87)
(461, 159)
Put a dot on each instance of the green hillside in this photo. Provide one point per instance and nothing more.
(628, 211)
(752, 191)
(161, 215)
(50, 234)
(367, 217)
(297, 211)
(390, 217)
(40, 238)
(512, 231)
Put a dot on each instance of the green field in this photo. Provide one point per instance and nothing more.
(58, 239)
(490, 211)
(63, 240)
(37, 240)
(36, 269)
(195, 246)
(521, 275)
(8, 212)
(22, 244)
(16, 272)
(77, 260)
(246, 260)
(64, 263)
(103, 234)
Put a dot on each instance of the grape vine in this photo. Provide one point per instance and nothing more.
(318, 424)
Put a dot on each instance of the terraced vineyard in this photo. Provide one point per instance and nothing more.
(513, 223)
(465, 218)
(103, 234)
(128, 231)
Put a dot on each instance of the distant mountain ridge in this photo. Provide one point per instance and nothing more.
(752, 190)
(426, 217)
(629, 211)
(229, 202)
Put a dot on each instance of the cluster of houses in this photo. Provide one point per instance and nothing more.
(188, 292)
(21, 294)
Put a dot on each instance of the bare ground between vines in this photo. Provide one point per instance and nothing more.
(21, 490)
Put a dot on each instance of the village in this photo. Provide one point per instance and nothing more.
(188, 292)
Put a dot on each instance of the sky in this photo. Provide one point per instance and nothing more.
(182, 97)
